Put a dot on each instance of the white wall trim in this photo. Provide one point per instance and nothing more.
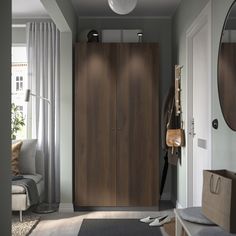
(126, 17)
(18, 44)
(31, 17)
(56, 14)
(204, 18)
(24, 21)
(66, 117)
(18, 25)
(178, 205)
(66, 207)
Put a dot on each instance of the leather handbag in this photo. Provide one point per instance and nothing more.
(174, 137)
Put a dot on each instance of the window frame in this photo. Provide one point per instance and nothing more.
(25, 84)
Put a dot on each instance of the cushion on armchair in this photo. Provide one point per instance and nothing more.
(27, 156)
(15, 149)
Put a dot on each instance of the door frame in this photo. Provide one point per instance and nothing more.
(203, 19)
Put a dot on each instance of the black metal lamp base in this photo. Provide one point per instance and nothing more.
(45, 208)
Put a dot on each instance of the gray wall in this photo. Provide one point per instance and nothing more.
(154, 30)
(65, 19)
(5, 101)
(223, 139)
(18, 35)
(63, 15)
(187, 11)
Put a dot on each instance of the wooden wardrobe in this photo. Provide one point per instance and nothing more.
(116, 125)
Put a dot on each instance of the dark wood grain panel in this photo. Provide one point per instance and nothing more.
(227, 82)
(116, 125)
(95, 122)
(138, 126)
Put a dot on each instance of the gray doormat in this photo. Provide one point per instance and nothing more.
(117, 227)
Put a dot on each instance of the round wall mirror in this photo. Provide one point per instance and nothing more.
(227, 69)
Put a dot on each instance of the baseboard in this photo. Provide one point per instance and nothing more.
(66, 207)
(166, 196)
(178, 205)
(155, 208)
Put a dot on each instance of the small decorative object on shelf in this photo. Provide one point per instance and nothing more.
(93, 36)
(140, 37)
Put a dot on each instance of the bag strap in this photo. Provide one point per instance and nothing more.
(171, 112)
(164, 173)
(217, 188)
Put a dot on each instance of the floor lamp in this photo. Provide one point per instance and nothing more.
(28, 94)
(41, 208)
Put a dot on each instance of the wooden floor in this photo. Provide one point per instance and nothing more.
(63, 224)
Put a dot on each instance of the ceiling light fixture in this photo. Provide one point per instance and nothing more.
(140, 37)
(122, 7)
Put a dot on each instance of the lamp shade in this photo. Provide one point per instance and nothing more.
(27, 95)
(122, 7)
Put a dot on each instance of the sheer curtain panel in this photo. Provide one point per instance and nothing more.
(43, 45)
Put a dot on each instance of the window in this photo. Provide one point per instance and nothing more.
(19, 85)
(21, 109)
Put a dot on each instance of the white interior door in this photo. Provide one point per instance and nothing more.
(200, 111)
(199, 61)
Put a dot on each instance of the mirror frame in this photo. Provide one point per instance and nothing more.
(218, 79)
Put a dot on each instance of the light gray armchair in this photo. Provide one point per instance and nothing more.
(19, 194)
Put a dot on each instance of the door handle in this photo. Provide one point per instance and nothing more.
(191, 133)
(192, 129)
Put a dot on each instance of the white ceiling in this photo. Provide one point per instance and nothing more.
(28, 9)
(143, 8)
(34, 8)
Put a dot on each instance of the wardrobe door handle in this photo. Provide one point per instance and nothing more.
(119, 129)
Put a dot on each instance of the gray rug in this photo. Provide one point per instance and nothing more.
(26, 226)
(117, 227)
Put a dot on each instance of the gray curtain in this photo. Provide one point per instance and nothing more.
(43, 44)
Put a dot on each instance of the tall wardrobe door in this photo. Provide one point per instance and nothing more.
(95, 125)
(138, 126)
